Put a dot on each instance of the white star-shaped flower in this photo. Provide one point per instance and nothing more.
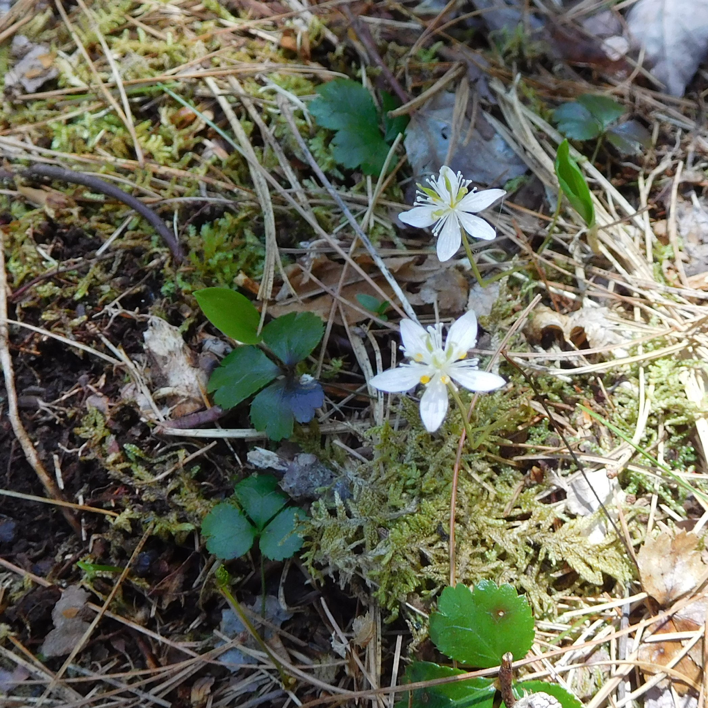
(448, 206)
(437, 366)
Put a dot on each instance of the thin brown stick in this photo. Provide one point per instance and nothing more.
(13, 413)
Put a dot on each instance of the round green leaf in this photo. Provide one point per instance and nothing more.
(269, 413)
(576, 122)
(478, 627)
(472, 693)
(293, 336)
(280, 540)
(565, 698)
(260, 498)
(242, 373)
(604, 109)
(629, 138)
(229, 533)
(232, 313)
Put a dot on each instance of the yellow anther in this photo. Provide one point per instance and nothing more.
(462, 356)
(418, 357)
(425, 379)
(445, 379)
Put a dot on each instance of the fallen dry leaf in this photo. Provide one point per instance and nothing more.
(674, 36)
(69, 625)
(173, 368)
(35, 66)
(670, 566)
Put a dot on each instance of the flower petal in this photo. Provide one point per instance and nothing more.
(476, 227)
(463, 334)
(473, 379)
(398, 380)
(447, 176)
(420, 217)
(450, 238)
(478, 201)
(414, 338)
(433, 405)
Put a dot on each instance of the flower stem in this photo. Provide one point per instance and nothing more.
(470, 256)
(462, 409)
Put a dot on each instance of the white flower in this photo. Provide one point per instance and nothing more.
(447, 205)
(437, 366)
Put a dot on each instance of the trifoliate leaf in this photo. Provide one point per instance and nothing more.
(478, 627)
(277, 407)
(240, 374)
(229, 533)
(576, 122)
(231, 312)
(565, 698)
(347, 107)
(292, 337)
(604, 110)
(629, 138)
(472, 693)
(573, 184)
(260, 498)
(280, 540)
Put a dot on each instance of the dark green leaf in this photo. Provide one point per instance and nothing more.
(565, 698)
(343, 104)
(392, 126)
(292, 337)
(573, 184)
(280, 540)
(576, 122)
(242, 373)
(347, 107)
(629, 138)
(604, 110)
(260, 498)
(369, 302)
(471, 693)
(275, 408)
(478, 627)
(231, 312)
(229, 533)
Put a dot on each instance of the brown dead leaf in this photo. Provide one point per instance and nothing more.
(69, 625)
(174, 368)
(670, 566)
(34, 67)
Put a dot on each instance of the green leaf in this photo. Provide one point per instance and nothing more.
(604, 110)
(276, 408)
(242, 373)
(260, 498)
(629, 138)
(573, 184)
(232, 313)
(565, 698)
(229, 533)
(280, 540)
(478, 627)
(369, 302)
(292, 337)
(576, 122)
(471, 693)
(392, 126)
(347, 107)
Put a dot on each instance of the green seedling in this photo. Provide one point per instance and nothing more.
(282, 395)
(373, 305)
(477, 628)
(593, 117)
(363, 137)
(257, 510)
(573, 185)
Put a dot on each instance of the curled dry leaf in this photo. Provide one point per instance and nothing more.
(670, 566)
(69, 624)
(173, 368)
(595, 327)
(674, 36)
